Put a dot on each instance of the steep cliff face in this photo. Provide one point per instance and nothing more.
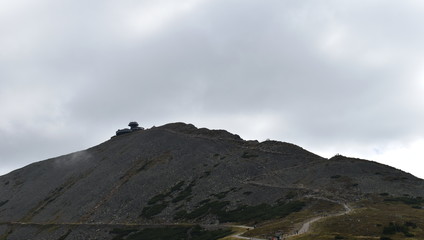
(180, 173)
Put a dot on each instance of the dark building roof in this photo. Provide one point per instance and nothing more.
(133, 124)
(134, 127)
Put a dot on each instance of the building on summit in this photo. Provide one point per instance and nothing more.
(133, 127)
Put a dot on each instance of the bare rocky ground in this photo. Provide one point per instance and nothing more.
(179, 173)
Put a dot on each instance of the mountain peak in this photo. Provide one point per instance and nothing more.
(205, 132)
(178, 173)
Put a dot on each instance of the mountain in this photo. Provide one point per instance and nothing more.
(194, 182)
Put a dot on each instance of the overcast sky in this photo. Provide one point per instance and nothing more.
(332, 76)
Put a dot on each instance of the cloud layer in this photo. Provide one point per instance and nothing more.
(331, 76)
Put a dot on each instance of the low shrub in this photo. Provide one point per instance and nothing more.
(188, 232)
(249, 155)
(184, 193)
(153, 210)
(260, 212)
(177, 187)
(242, 213)
(158, 198)
(3, 202)
(394, 228)
(406, 200)
(221, 195)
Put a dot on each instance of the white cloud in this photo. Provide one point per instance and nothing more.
(406, 156)
(330, 76)
(254, 126)
(147, 18)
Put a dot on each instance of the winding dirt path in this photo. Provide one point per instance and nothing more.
(306, 226)
(238, 235)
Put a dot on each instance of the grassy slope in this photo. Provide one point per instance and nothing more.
(368, 221)
(294, 220)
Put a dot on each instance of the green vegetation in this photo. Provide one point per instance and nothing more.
(6, 234)
(182, 214)
(162, 196)
(153, 210)
(158, 198)
(394, 220)
(204, 201)
(415, 203)
(163, 233)
(261, 212)
(3, 202)
(394, 228)
(177, 186)
(249, 155)
(184, 193)
(201, 234)
(170, 233)
(221, 195)
(406, 200)
(242, 213)
(214, 207)
(394, 178)
(158, 202)
(315, 208)
(65, 235)
(121, 233)
(291, 195)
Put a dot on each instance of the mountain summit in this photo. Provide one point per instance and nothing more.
(177, 173)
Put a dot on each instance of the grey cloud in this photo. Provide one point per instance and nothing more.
(331, 71)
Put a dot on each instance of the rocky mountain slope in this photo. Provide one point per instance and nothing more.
(178, 173)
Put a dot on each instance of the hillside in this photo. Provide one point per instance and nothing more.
(179, 176)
